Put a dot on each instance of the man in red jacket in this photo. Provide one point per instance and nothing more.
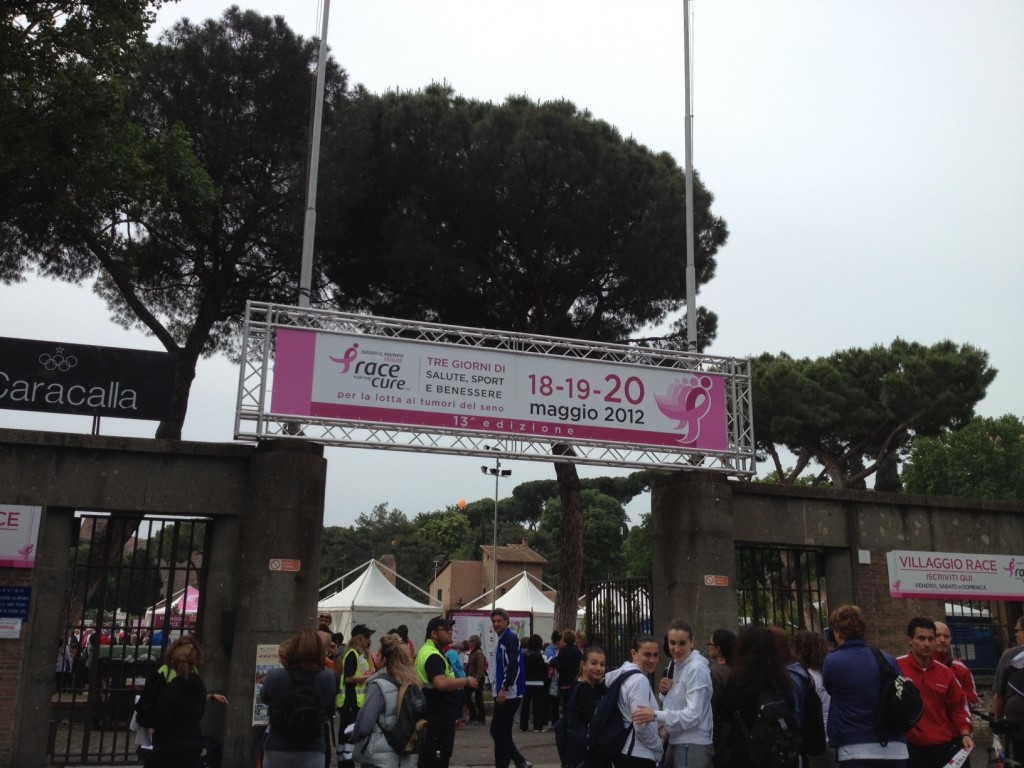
(945, 727)
(943, 653)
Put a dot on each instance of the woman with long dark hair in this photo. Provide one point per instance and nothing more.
(757, 666)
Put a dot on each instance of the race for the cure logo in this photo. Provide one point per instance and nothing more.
(688, 401)
(382, 374)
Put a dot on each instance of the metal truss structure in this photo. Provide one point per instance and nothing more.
(253, 420)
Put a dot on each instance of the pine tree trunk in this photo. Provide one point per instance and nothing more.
(571, 572)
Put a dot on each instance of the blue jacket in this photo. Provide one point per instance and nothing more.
(854, 682)
(508, 665)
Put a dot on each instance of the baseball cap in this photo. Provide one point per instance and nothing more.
(362, 629)
(438, 623)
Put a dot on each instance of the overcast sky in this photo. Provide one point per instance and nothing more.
(868, 158)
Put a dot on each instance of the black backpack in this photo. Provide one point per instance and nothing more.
(813, 727)
(409, 730)
(303, 718)
(774, 739)
(145, 707)
(570, 730)
(899, 705)
(607, 734)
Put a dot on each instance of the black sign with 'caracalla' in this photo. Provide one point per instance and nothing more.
(56, 377)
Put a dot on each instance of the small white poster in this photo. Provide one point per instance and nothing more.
(10, 629)
(19, 529)
(267, 659)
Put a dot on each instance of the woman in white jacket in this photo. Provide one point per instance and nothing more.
(636, 700)
(380, 710)
(686, 707)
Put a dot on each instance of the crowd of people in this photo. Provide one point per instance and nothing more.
(705, 709)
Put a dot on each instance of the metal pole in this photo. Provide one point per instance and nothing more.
(691, 271)
(494, 558)
(309, 229)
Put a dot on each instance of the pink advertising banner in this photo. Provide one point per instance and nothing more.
(956, 575)
(379, 380)
(19, 527)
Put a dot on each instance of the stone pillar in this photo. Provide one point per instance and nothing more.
(40, 635)
(283, 520)
(693, 540)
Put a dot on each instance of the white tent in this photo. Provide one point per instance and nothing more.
(374, 601)
(524, 596)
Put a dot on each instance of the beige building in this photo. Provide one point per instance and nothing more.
(460, 581)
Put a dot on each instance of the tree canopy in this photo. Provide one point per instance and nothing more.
(982, 460)
(522, 216)
(201, 207)
(856, 409)
(63, 64)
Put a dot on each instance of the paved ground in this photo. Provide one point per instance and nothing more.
(473, 747)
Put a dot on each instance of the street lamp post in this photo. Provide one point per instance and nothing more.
(498, 473)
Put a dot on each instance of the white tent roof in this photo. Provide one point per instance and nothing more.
(374, 601)
(524, 596)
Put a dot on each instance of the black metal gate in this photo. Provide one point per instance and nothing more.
(136, 584)
(616, 612)
(781, 586)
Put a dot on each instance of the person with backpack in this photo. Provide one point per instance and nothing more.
(1008, 688)
(945, 728)
(757, 708)
(810, 650)
(807, 707)
(854, 682)
(180, 704)
(631, 702)
(381, 717)
(299, 698)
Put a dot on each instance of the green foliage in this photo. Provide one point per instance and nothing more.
(132, 586)
(446, 535)
(776, 478)
(984, 460)
(857, 408)
(636, 550)
(62, 67)
(605, 529)
(184, 539)
(189, 201)
(536, 216)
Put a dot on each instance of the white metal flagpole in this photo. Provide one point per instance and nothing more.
(309, 229)
(691, 271)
